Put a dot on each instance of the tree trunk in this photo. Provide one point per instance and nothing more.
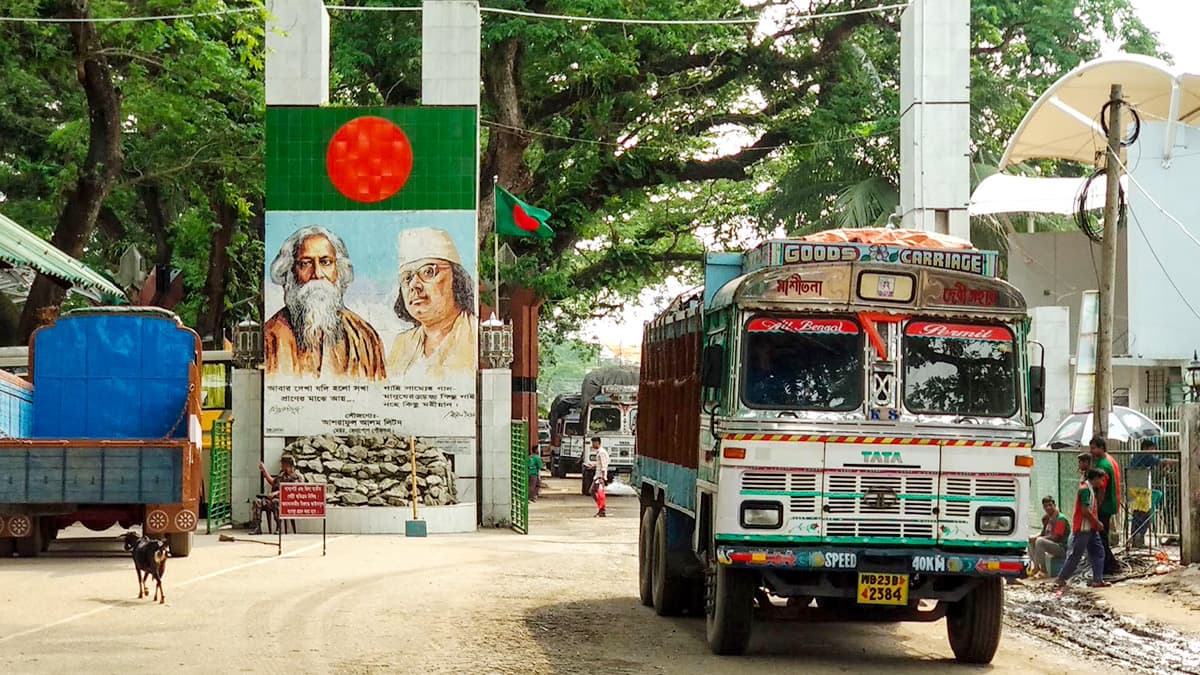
(211, 321)
(507, 140)
(98, 172)
(160, 222)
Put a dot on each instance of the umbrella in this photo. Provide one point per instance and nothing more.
(1123, 424)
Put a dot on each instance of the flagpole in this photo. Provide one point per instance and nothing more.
(496, 246)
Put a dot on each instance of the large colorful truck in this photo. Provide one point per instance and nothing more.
(609, 399)
(838, 426)
(106, 430)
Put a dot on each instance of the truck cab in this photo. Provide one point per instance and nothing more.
(611, 417)
(839, 427)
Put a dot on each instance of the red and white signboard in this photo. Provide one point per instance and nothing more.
(958, 331)
(301, 500)
(784, 325)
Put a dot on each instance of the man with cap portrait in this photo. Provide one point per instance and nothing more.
(314, 334)
(437, 296)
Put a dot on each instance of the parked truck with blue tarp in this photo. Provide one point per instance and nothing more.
(107, 433)
(838, 427)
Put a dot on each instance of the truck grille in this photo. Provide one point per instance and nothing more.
(973, 487)
(849, 494)
(877, 528)
(787, 482)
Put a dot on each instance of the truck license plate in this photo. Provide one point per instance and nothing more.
(882, 589)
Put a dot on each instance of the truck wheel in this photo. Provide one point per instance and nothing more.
(668, 587)
(974, 623)
(180, 543)
(585, 483)
(730, 611)
(646, 557)
(31, 546)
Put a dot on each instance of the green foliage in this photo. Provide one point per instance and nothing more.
(192, 101)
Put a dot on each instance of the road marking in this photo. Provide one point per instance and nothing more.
(210, 575)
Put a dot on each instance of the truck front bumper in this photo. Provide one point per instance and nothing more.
(917, 561)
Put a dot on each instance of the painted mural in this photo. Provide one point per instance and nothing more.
(371, 272)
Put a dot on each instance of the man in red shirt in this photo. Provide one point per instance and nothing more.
(1087, 528)
(1109, 497)
(1052, 542)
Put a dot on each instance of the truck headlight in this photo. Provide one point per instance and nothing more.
(992, 520)
(762, 515)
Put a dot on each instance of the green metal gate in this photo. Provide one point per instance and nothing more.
(220, 476)
(520, 476)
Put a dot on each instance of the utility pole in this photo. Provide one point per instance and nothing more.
(1102, 402)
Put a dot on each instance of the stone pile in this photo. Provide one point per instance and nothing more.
(374, 470)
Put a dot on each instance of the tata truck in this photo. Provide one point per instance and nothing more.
(106, 430)
(838, 427)
(608, 397)
(566, 436)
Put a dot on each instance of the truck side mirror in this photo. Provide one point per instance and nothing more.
(1037, 389)
(712, 367)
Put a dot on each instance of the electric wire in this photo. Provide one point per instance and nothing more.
(129, 19)
(651, 146)
(1154, 254)
(811, 16)
(1149, 197)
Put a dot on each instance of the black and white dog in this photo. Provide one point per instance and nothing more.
(149, 560)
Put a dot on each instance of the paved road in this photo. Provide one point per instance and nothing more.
(558, 601)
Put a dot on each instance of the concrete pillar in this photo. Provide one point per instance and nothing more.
(935, 116)
(297, 68)
(495, 433)
(1189, 482)
(1051, 326)
(247, 441)
(450, 56)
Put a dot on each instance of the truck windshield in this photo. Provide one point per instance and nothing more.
(572, 429)
(604, 419)
(959, 369)
(803, 363)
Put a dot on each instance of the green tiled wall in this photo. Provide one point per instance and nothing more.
(444, 150)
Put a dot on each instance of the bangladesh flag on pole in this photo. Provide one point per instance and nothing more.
(515, 218)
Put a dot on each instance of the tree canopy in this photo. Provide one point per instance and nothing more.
(644, 141)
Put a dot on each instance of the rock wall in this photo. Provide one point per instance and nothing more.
(374, 470)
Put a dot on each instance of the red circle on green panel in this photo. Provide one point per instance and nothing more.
(369, 159)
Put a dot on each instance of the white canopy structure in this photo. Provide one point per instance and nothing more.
(1065, 122)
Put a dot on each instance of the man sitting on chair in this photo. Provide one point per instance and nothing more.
(269, 503)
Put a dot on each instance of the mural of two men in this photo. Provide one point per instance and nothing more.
(315, 335)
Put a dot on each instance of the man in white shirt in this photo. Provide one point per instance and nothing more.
(600, 478)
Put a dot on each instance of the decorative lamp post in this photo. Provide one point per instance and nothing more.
(495, 344)
(247, 344)
(1193, 377)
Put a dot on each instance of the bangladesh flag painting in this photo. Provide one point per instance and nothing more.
(373, 159)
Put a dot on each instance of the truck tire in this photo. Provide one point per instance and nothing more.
(554, 467)
(31, 546)
(180, 543)
(668, 587)
(730, 613)
(646, 557)
(974, 623)
(585, 483)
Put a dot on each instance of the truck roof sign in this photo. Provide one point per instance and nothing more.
(779, 252)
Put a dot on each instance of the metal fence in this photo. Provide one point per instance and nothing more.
(220, 476)
(1151, 499)
(519, 509)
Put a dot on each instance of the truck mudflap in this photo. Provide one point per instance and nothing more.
(922, 561)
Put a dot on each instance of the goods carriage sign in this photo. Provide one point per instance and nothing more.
(780, 252)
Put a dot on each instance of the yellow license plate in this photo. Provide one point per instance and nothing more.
(882, 589)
